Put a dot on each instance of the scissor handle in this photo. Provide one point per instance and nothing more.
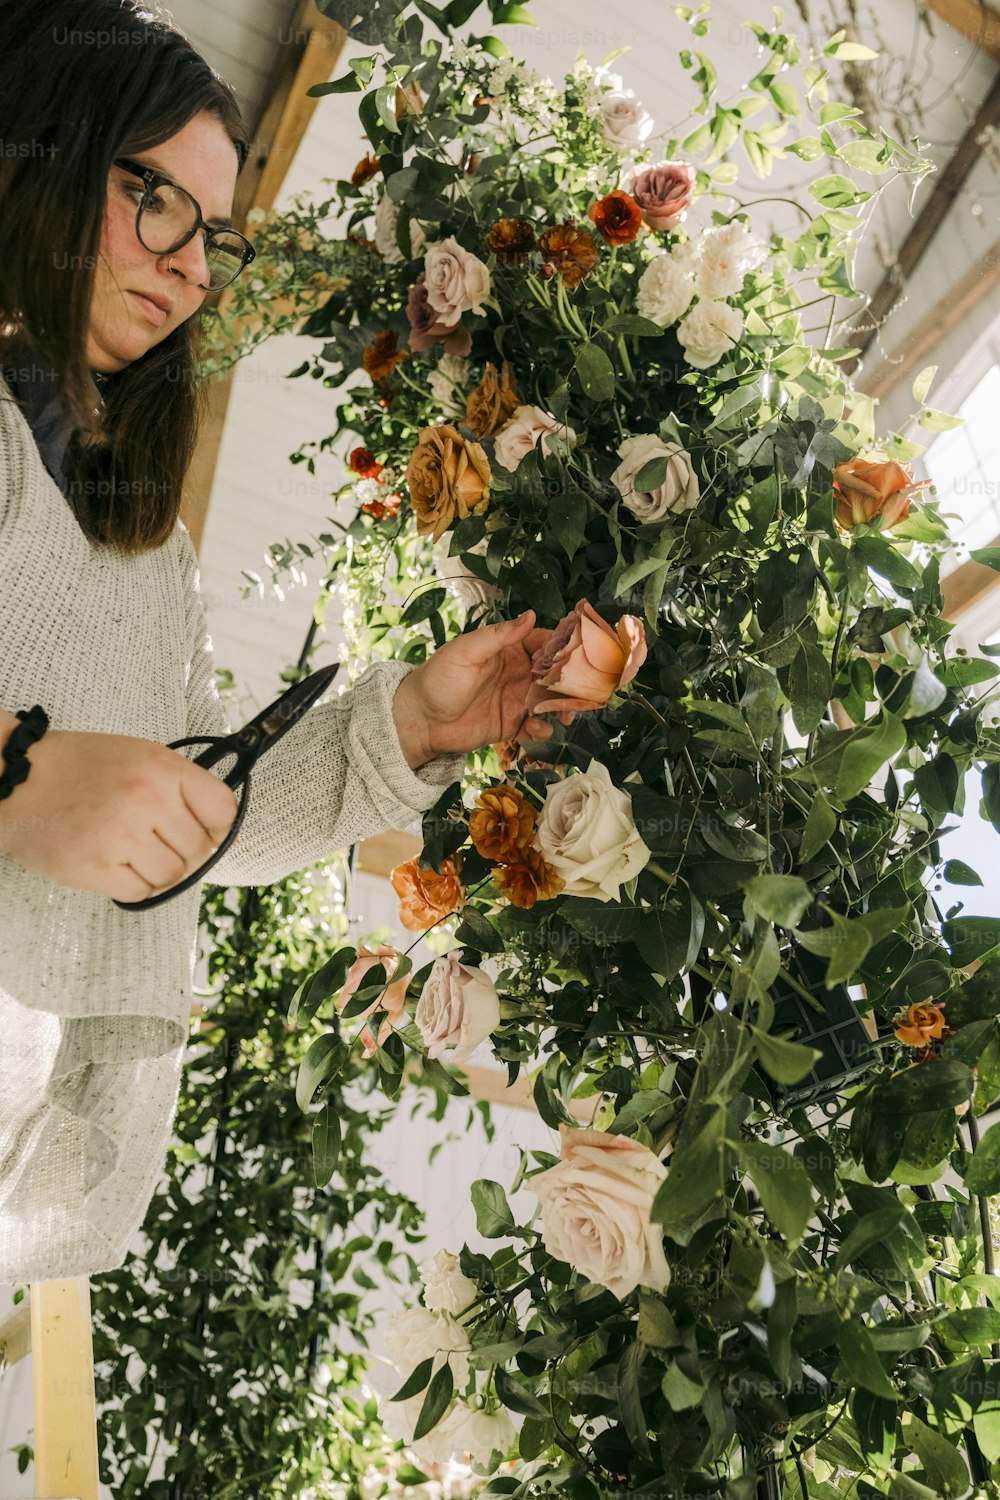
(242, 744)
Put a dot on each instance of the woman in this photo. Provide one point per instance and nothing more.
(103, 626)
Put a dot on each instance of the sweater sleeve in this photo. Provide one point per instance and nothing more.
(338, 776)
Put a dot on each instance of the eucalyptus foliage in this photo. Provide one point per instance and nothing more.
(795, 746)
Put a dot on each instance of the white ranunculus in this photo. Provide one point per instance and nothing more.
(626, 124)
(517, 437)
(727, 253)
(446, 1289)
(596, 1203)
(386, 219)
(586, 832)
(457, 1009)
(710, 330)
(417, 1333)
(467, 588)
(456, 280)
(664, 291)
(479, 1433)
(679, 490)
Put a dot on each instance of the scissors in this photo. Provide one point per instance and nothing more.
(245, 747)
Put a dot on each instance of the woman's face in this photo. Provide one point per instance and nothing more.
(200, 158)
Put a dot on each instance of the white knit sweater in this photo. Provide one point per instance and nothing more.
(95, 1001)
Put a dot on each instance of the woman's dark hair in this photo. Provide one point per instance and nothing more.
(82, 82)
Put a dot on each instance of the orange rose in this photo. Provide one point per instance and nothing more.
(382, 357)
(424, 896)
(527, 880)
(571, 252)
(585, 661)
(866, 490)
(502, 823)
(364, 463)
(493, 402)
(391, 1001)
(618, 217)
(447, 477)
(367, 168)
(921, 1023)
(510, 240)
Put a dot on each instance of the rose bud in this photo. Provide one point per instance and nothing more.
(585, 661)
(866, 490)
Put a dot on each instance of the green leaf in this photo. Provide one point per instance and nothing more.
(679, 1392)
(326, 1138)
(516, 1396)
(883, 558)
(476, 931)
(938, 1084)
(986, 1420)
(867, 753)
(567, 516)
(988, 556)
(861, 1360)
(323, 1061)
(634, 325)
(786, 1061)
(957, 872)
(781, 1180)
(922, 384)
(436, 1402)
(662, 939)
(695, 1176)
(416, 1381)
(820, 824)
(784, 899)
(849, 52)
(596, 372)
(320, 986)
(938, 421)
(423, 605)
(513, 15)
(809, 687)
(493, 1215)
(970, 937)
(837, 191)
(982, 1172)
(629, 1400)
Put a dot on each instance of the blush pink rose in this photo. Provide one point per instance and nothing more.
(663, 192)
(457, 281)
(391, 1002)
(585, 661)
(427, 326)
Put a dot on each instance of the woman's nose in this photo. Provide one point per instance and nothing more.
(191, 260)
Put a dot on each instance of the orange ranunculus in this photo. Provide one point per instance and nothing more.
(364, 463)
(527, 880)
(382, 357)
(448, 476)
(391, 1001)
(921, 1023)
(572, 252)
(618, 217)
(424, 896)
(502, 823)
(585, 661)
(510, 240)
(383, 507)
(368, 167)
(866, 490)
(493, 402)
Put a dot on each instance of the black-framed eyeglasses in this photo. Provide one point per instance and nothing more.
(240, 752)
(168, 217)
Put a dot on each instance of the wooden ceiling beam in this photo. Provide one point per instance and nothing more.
(947, 187)
(972, 19)
(310, 56)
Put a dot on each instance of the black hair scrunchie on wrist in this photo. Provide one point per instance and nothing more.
(34, 723)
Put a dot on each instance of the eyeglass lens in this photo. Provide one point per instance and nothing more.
(166, 218)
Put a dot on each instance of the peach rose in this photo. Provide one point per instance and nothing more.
(457, 281)
(424, 896)
(526, 428)
(391, 1001)
(447, 477)
(866, 490)
(921, 1023)
(458, 1008)
(596, 1203)
(585, 661)
(663, 192)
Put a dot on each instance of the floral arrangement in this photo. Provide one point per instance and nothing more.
(588, 378)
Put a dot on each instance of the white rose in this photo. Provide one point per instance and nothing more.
(479, 1433)
(456, 281)
(417, 1333)
(399, 1420)
(386, 219)
(664, 291)
(446, 1289)
(518, 436)
(457, 1009)
(587, 833)
(710, 330)
(626, 124)
(679, 490)
(596, 1204)
(728, 252)
(467, 588)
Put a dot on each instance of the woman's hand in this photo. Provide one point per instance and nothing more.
(472, 692)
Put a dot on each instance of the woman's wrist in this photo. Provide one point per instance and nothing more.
(411, 724)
